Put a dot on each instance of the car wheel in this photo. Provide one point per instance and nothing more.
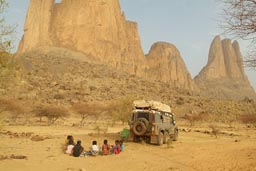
(175, 136)
(166, 137)
(139, 128)
(160, 138)
(145, 121)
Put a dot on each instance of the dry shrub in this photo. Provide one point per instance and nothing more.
(120, 110)
(215, 130)
(192, 118)
(180, 101)
(52, 113)
(13, 107)
(87, 110)
(249, 119)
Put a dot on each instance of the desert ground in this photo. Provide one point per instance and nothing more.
(40, 148)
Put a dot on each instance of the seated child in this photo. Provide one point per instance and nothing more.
(105, 148)
(94, 149)
(69, 147)
(69, 144)
(78, 149)
(117, 147)
(121, 146)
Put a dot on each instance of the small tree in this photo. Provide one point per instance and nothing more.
(40, 111)
(53, 113)
(239, 19)
(12, 106)
(192, 118)
(6, 31)
(120, 110)
(88, 110)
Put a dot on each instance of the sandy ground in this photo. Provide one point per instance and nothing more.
(193, 151)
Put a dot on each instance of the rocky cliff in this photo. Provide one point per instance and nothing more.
(166, 64)
(100, 30)
(224, 73)
(96, 28)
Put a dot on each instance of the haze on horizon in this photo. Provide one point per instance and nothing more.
(190, 26)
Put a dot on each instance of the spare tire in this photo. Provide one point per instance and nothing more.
(139, 128)
(145, 121)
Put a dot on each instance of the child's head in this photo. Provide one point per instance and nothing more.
(79, 142)
(105, 142)
(121, 141)
(70, 142)
(117, 142)
(94, 142)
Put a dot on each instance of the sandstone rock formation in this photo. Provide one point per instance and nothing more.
(224, 73)
(165, 64)
(100, 30)
(96, 28)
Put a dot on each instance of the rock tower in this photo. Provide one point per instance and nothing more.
(224, 73)
(99, 29)
(166, 64)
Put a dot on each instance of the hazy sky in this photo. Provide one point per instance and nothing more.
(189, 25)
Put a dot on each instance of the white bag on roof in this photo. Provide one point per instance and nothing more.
(155, 105)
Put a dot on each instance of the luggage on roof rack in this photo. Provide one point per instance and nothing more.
(151, 104)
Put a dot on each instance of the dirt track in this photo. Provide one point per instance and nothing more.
(193, 151)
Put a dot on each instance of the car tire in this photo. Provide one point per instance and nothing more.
(139, 128)
(145, 121)
(175, 136)
(166, 137)
(160, 138)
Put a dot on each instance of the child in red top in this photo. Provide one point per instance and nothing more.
(117, 147)
(105, 148)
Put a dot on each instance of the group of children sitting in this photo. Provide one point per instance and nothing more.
(77, 149)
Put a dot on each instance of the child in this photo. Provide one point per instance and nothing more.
(69, 147)
(105, 148)
(117, 147)
(121, 146)
(69, 144)
(94, 149)
(78, 149)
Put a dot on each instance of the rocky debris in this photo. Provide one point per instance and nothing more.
(24, 135)
(166, 64)
(12, 156)
(224, 76)
(39, 138)
(54, 77)
(16, 134)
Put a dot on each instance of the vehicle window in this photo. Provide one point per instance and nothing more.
(171, 119)
(143, 115)
(158, 118)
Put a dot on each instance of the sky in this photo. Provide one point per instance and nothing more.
(189, 25)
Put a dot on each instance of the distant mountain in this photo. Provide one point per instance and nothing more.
(166, 65)
(224, 75)
(99, 30)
